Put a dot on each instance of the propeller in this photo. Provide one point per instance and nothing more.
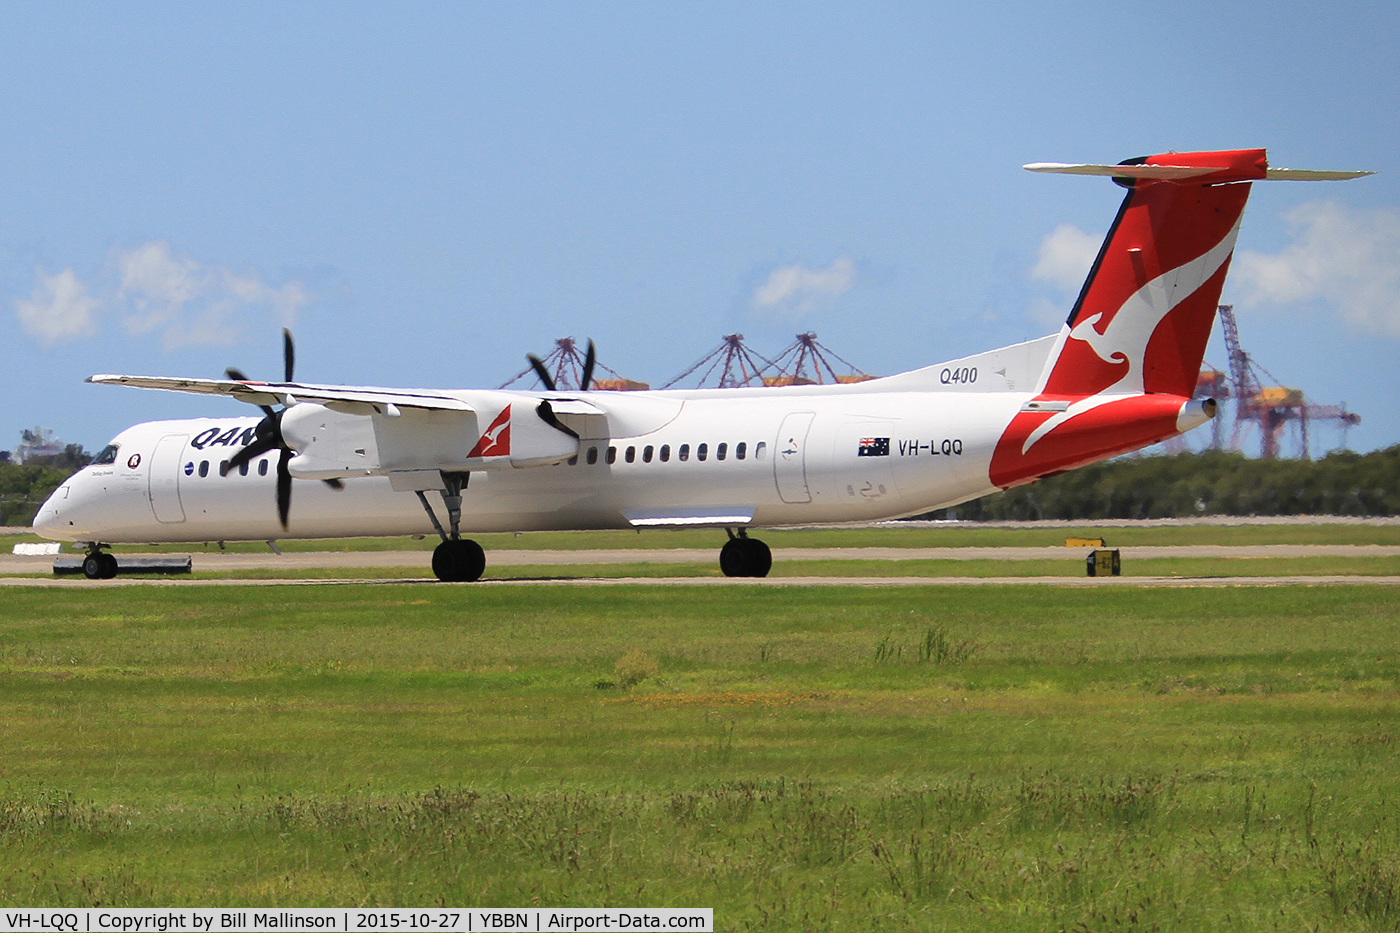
(267, 436)
(540, 371)
(589, 359)
(585, 381)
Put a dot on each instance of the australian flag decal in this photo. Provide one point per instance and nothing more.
(874, 447)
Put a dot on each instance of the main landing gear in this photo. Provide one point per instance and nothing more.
(456, 559)
(743, 556)
(99, 565)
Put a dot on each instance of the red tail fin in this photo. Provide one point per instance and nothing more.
(1142, 320)
(1145, 313)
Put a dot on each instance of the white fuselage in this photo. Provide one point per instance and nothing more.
(719, 458)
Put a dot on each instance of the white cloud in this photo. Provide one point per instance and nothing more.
(191, 302)
(795, 290)
(60, 309)
(1065, 257)
(186, 301)
(1345, 258)
(1048, 313)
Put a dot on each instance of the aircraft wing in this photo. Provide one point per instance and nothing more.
(351, 399)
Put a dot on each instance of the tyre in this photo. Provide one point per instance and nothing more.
(94, 567)
(731, 558)
(745, 557)
(459, 561)
(109, 566)
(758, 559)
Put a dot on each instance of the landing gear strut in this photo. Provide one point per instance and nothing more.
(743, 556)
(456, 559)
(99, 565)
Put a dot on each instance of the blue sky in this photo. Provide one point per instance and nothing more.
(426, 192)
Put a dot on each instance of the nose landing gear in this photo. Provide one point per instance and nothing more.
(743, 556)
(99, 565)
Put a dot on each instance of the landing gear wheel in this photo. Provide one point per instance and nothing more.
(459, 561)
(745, 557)
(99, 566)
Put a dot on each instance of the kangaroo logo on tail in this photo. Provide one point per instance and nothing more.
(1125, 337)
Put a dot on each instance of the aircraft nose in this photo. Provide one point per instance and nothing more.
(48, 522)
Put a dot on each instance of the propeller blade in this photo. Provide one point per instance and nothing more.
(237, 376)
(289, 355)
(284, 487)
(256, 449)
(540, 371)
(589, 359)
(335, 484)
(271, 427)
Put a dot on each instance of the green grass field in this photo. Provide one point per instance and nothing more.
(826, 758)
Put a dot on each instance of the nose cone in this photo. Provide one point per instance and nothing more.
(49, 523)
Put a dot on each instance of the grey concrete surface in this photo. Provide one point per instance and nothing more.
(1079, 582)
(214, 562)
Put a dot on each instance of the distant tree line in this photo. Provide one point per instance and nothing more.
(1210, 483)
(24, 487)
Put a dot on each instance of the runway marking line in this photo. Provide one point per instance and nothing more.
(1320, 580)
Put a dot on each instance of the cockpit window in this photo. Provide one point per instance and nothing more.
(108, 455)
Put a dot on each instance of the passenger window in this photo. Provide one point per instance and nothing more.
(740, 449)
(243, 469)
(760, 449)
(646, 454)
(612, 454)
(702, 452)
(223, 468)
(108, 455)
(573, 461)
(720, 451)
(592, 455)
(684, 453)
(204, 468)
(665, 452)
(631, 455)
(262, 467)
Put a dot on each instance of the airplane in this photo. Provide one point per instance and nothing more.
(1117, 377)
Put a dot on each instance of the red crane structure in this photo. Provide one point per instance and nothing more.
(807, 362)
(565, 364)
(1272, 407)
(737, 366)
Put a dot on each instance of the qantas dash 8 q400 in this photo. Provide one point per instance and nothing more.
(1119, 376)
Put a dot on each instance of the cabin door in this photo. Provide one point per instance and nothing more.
(165, 479)
(790, 457)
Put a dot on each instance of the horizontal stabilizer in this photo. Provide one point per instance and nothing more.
(1182, 172)
(1153, 172)
(1304, 174)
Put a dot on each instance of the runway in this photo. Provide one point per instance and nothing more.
(217, 562)
(1075, 582)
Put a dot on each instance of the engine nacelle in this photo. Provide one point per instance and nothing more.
(504, 431)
